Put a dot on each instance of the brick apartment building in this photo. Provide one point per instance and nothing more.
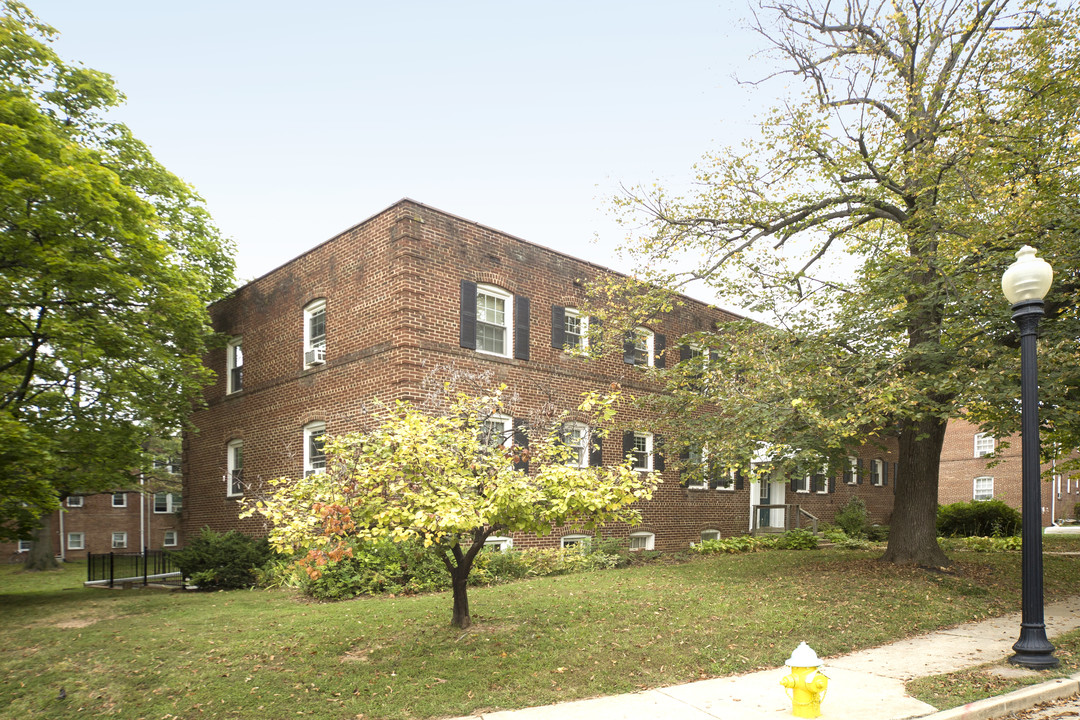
(411, 295)
(123, 521)
(977, 466)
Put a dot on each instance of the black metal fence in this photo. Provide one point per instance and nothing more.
(149, 566)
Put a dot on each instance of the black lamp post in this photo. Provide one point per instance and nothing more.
(1025, 284)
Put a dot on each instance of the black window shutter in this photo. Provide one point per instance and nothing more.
(685, 353)
(628, 348)
(521, 327)
(831, 482)
(739, 482)
(684, 471)
(659, 346)
(794, 484)
(627, 443)
(595, 324)
(558, 327)
(884, 473)
(468, 314)
(521, 440)
(657, 456)
(596, 455)
(859, 464)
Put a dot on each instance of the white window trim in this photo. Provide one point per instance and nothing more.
(165, 540)
(500, 542)
(824, 485)
(650, 345)
(313, 428)
(584, 325)
(76, 541)
(24, 546)
(802, 485)
(853, 468)
(310, 346)
(877, 472)
(123, 500)
(235, 344)
(586, 438)
(74, 501)
(648, 451)
(230, 467)
(702, 462)
(646, 541)
(508, 318)
(170, 506)
(575, 540)
(119, 540)
(975, 488)
(982, 439)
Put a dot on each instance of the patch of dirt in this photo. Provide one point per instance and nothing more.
(76, 623)
(360, 654)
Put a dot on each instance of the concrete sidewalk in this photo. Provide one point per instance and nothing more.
(866, 685)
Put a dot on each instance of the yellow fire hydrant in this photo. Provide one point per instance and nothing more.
(806, 683)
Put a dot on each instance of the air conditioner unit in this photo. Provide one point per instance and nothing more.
(315, 356)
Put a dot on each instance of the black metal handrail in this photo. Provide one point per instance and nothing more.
(157, 566)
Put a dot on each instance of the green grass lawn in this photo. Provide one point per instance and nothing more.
(270, 654)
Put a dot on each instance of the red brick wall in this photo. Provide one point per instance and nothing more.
(392, 286)
(97, 519)
(960, 467)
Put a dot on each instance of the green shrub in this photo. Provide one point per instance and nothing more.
(852, 518)
(216, 561)
(383, 567)
(731, 545)
(985, 518)
(991, 544)
(834, 534)
(877, 533)
(797, 539)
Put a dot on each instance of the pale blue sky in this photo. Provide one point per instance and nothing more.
(297, 121)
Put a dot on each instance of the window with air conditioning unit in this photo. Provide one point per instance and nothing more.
(315, 334)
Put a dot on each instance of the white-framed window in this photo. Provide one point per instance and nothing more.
(575, 330)
(710, 535)
(166, 502)
(76, 541)
(74, 501)
(234, 365)
(643, 451)
(119, 500)
(575, 540)
(314, 448)
(497, 431)
(171, 466)
(984, 444)
(494, 321)
(119, 540)
(498, 542)
(983, 489)
(234, 463)
(170, 539)
(851, 474)
(575, 436)
(696, 467)
(644, 347)
(802, 484)
(25, 545)
(315, 333)
(642, 541)
(819, 482)
(877, 472)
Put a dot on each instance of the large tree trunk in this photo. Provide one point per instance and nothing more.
(41, 555)
(913, 528)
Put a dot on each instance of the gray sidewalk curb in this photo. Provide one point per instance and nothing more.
(1002, 705)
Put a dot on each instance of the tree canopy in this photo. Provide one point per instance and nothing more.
(107, 263)
(869, 223)
(449, 480)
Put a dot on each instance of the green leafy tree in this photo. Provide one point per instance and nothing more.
(107, 262)
(870, 223)
(449, 482)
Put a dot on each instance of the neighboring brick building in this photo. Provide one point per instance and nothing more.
(126, 521)
(394, 302)
(977, 466)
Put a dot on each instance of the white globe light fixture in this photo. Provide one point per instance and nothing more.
(1025, 284)
(1028, 278)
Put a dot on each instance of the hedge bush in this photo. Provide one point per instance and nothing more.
(223, 561)
(984, 518)
(852, 518)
